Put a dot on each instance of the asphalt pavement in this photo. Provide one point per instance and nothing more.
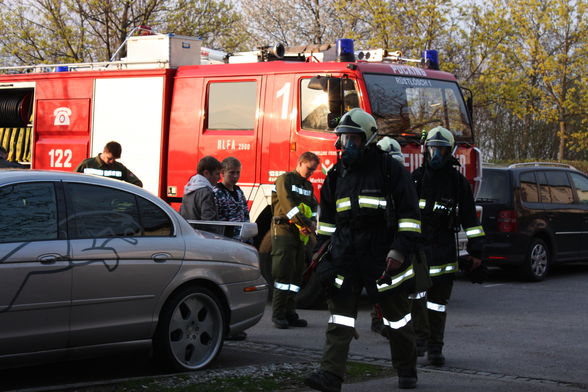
(503, 335)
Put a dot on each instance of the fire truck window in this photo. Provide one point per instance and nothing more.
(232, 105)
(314, 107)
(409, 105)
(314, 104)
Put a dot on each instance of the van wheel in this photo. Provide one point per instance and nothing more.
(190, 331)
(537, 262)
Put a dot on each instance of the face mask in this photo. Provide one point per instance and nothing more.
(437, 159)
(351, 154)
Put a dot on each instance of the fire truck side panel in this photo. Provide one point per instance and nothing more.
(129, 111)
(185, 125)
(61, 126)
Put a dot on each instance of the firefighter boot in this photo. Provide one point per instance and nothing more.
(435, 355)
(295, 321)
(407, 378)
(324, 381)
(421, 347)
(280, 323)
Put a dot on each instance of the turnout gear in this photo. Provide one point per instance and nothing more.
(446, 203)
(294, 208)
(367, 220)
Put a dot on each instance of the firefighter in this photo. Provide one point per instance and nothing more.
(392, 147)
(369, 212)
(445, 201)
(294, 221)
(105, 164)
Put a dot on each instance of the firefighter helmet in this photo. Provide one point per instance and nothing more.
(357, 121)
(439, 144)
(440, 137)
(392, 147)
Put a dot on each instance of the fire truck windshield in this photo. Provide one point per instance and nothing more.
(405, 106)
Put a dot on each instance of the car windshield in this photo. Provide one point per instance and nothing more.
(406, 106)
(495, 187)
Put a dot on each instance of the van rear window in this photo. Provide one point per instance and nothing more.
(495, 187)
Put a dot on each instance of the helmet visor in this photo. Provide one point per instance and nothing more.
(349, 139)
(438, 151)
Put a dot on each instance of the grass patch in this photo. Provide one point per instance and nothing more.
(279, 377)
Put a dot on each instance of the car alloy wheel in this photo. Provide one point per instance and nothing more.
(190, 330)
(537, 263)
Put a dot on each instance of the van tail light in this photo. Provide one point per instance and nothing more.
(507, 221)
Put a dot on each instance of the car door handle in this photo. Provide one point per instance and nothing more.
(161, 257)
(50, 258)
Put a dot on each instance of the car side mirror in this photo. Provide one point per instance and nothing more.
(248, 231)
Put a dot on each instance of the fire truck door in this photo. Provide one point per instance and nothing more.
(279, 115)
(232, 124)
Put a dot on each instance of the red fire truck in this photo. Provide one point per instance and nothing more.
(169, 105)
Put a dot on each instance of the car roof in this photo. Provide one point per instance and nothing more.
(530, 166)
(8, 176)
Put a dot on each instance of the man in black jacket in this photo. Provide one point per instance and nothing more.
(446, 202)
(105, 164)
(369, 211)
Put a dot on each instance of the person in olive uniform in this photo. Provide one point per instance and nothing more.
(105, 165)
(369, 211)
(446, 202)
(294, 220)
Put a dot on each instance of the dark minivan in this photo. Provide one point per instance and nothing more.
(535, 214)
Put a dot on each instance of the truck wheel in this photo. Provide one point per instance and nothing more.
(537, 261)
(190, 331)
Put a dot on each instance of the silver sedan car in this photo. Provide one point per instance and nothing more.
(90, 265)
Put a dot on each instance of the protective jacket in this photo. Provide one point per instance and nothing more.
(291, 190)
(114, 170)
(446, 203)
(367, 211)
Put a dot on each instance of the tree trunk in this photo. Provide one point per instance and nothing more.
(562, 140)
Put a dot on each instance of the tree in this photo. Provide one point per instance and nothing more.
(62, 31)
(549, 50)
(292, 22)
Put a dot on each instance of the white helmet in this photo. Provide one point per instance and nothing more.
(391, 146)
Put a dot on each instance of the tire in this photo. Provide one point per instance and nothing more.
(191, 329)
(537, 261)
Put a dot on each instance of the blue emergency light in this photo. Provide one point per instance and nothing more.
(430, 59)
(345, 51)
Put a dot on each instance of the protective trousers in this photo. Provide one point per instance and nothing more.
(341, 329)
(429, 313)
(287, 268)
